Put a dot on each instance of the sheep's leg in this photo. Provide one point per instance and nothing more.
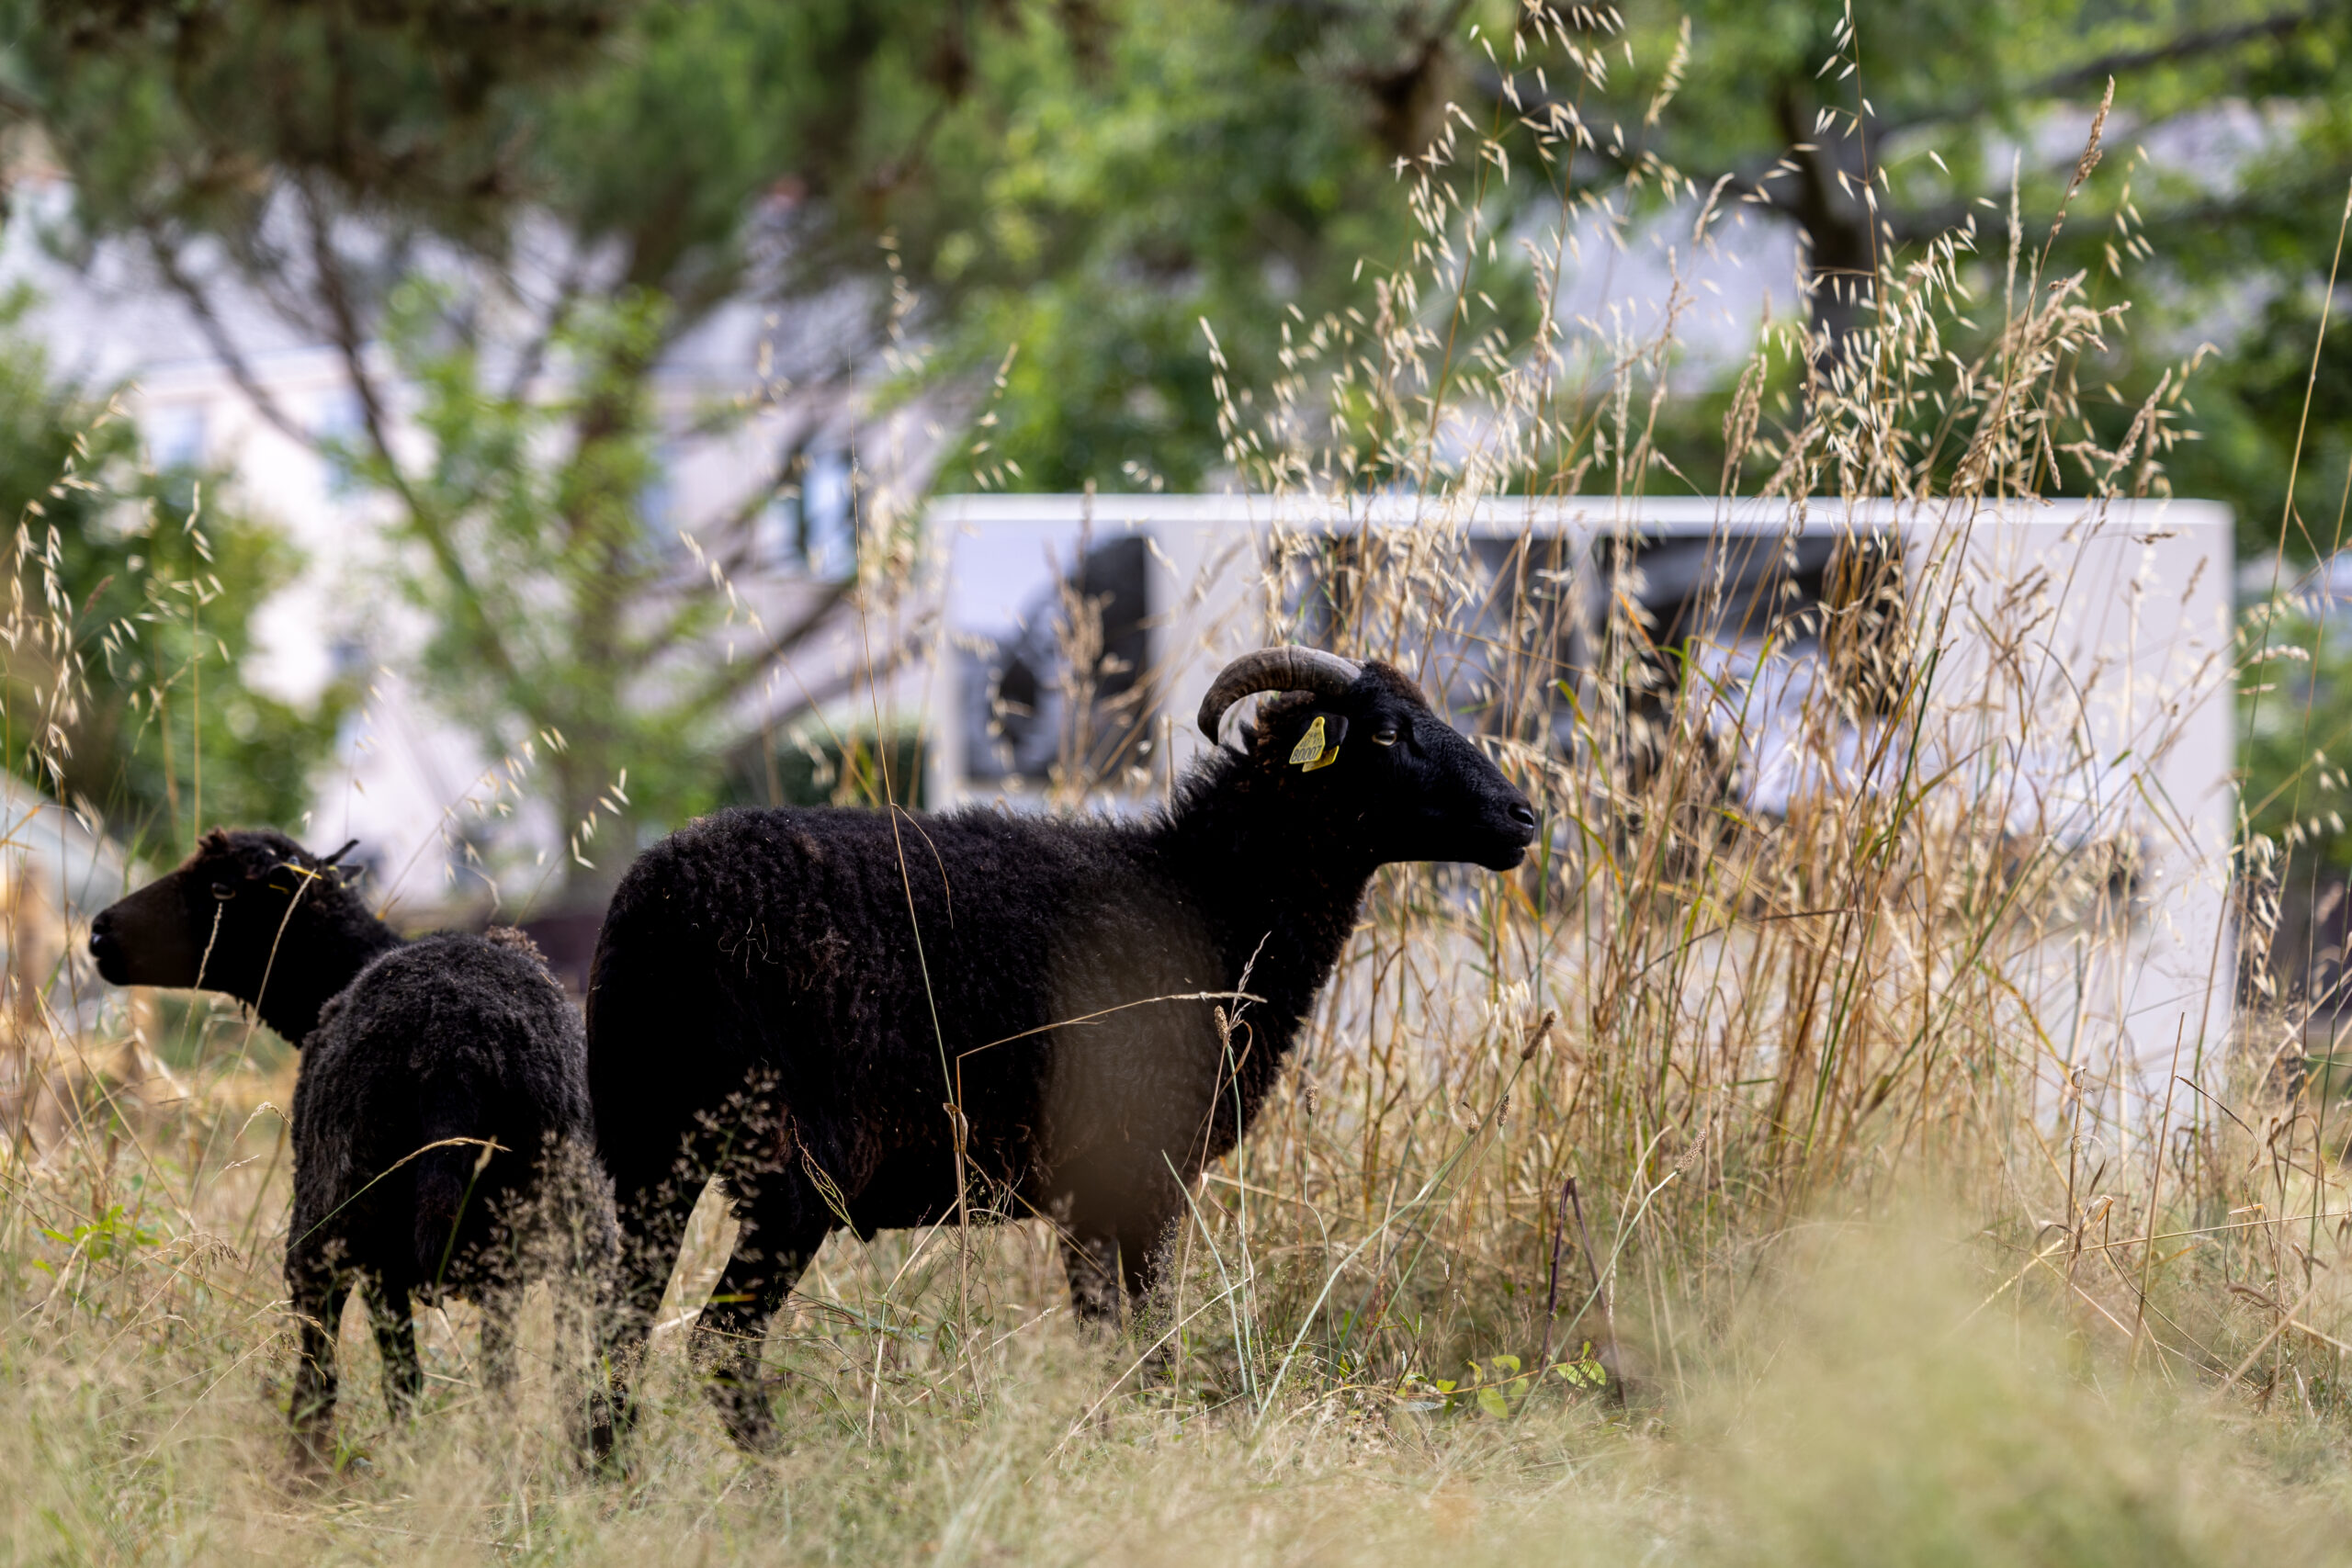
(320, 1292)
(651, 1218)
(1092, 1260)
(578, 1197)
(778, 1236)
(498, 1303)
(395, 1322)
(575, 1205)
(1113, 1260)
(1143, 1250)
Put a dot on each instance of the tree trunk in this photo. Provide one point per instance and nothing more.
(602, 528)
(1834, 227)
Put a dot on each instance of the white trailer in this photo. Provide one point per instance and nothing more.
(2080, 655)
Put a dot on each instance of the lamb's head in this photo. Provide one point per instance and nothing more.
(216, 921)
(1357, 747)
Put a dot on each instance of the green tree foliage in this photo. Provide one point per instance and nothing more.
(585, 182)
(2226, 166)
(1089, 180)
(159, 590)
(1098, 192)
(561, 624)
(1096, 198)
(2295, 714)
(393, 188)
(183, 119)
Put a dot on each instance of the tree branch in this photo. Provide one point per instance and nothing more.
(350, 343)
(216, 333)
(526, 368)
(2123, 62)
(814, 697)
(732, 679)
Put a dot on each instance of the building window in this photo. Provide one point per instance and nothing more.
(828, 542)
(811, 523)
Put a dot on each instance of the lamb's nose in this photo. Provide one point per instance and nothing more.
(1524, 815)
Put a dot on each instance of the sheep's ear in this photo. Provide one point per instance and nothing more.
(1277, 716)
(1318, 745)
(216, 839)
(344, 875)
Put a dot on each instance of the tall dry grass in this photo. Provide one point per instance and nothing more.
(1721, 1186)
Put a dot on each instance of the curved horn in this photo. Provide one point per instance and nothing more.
(1276, 670)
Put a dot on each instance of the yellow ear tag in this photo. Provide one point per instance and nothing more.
(1306, 754)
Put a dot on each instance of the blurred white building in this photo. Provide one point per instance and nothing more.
(402, 770)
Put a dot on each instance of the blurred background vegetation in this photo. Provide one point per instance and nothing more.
(162, 585)
(1082, 184)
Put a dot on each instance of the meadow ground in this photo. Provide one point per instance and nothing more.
(1905, 1387)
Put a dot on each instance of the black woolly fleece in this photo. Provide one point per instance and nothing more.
(449, 1037)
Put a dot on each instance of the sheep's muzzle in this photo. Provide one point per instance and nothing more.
(144, 940)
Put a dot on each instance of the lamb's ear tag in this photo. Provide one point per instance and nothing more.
(1310, 744)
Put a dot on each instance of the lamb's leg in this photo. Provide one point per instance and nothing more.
(395, 1321)
(588, 1413)
(318, 1291)
(782, 1228)
(1143, 1252)
(577, 1199)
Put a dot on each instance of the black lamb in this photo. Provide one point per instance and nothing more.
(819, 1006)
(442, 1140)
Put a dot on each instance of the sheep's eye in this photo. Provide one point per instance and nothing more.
(1384, 736)
(224, 891)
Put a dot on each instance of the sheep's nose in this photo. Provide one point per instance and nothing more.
(105, 946)
(1524, 815)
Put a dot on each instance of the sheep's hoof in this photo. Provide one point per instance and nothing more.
(314, 1459)
(307, 1464)
(597, 1428)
